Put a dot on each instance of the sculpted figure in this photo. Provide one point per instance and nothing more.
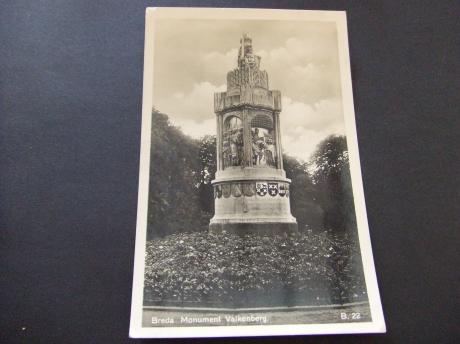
(270, 152)
(233, 150)
(226, 153)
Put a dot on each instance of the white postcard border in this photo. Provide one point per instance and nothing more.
(136, 330)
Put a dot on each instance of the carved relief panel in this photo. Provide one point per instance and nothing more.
(263, 141)
(232, 142)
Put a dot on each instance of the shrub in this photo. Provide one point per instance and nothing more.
(233, 271)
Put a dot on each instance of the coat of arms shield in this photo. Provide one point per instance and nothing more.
(249, 189)
(226, 190)
(273, 189)
(261, 189)
(236, 190)
(282, 190)
(218, 191)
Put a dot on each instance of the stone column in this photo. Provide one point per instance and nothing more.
(279, 149)
(247, 138)
(219, 142)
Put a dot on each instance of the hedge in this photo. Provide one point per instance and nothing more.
(202, 269)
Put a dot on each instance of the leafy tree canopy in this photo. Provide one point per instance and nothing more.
(329, 159)
(331, 176)
(182, 168)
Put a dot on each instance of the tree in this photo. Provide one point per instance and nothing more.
(208, 167)
(181, 194)
(304, 205)
(174, 203)
(331, 175)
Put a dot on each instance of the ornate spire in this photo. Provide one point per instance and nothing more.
(245, 57)
(248, 72)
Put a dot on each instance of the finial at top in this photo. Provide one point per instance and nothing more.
(245, 46)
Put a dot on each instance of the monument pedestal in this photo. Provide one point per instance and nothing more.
(252, 200)
(258, 228)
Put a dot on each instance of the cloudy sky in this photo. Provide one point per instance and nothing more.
(192, 58)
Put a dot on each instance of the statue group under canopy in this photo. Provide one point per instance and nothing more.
(263, 145)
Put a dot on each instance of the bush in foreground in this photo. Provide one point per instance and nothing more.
(200, 269)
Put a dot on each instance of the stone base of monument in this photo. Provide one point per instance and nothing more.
(252, 201)
(257, 228)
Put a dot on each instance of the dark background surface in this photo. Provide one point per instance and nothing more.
(71, 86)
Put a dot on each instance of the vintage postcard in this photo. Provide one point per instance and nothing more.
(251, 214)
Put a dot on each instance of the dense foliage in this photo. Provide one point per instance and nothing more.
(181, 194)
(331, 176)
(304, 204)
(250, 271)
(186, 265)
(179, 179)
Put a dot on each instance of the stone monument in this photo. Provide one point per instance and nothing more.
(251, 190)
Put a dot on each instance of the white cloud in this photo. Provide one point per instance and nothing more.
(193, 112)
(303, 126)
(304, 69)
(324, 115)
(218, 64)
(196, 105)
(196, 129)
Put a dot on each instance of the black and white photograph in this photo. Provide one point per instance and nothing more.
(251, 217)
